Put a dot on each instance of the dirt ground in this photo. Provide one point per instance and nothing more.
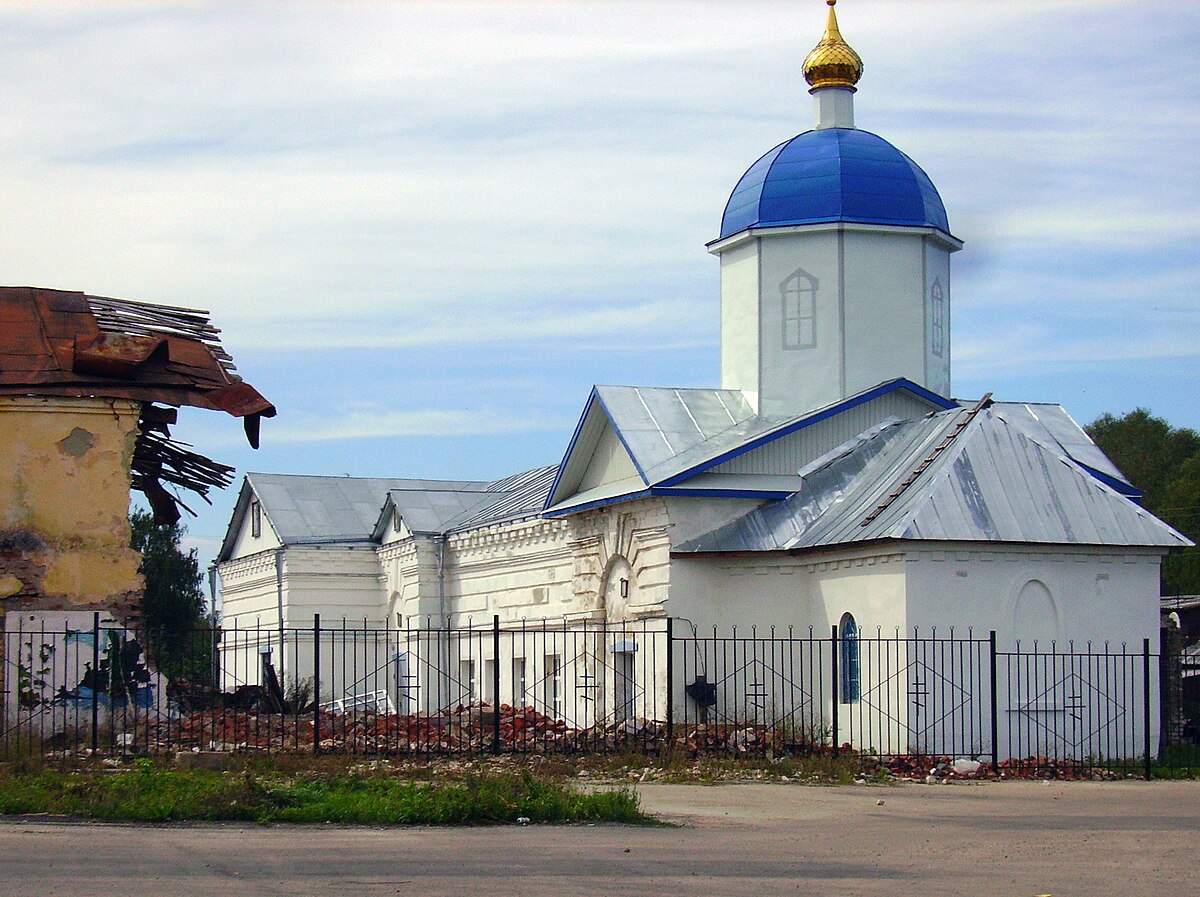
(1008, 838)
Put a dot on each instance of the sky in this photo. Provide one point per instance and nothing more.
(426, 229)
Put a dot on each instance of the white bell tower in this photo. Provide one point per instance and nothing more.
(835, 259)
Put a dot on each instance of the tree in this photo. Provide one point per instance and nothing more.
(1164, 462)
(173, 607)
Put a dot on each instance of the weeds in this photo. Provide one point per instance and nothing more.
(149, 792)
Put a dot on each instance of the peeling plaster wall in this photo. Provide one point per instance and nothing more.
(64, 504)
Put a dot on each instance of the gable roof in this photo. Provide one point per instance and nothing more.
(320, 509)
(323, 510)
(957, 475)
(674, 435)
(436, 511)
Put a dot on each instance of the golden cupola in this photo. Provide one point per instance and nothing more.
(832, 62)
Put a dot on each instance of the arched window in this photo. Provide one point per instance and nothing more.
(799, 294)
(850, 684)
(937, 314)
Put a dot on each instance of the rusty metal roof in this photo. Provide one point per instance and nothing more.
(59, 343)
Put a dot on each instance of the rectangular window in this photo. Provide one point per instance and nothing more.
(489, 681)
(255, 519)
(518, 682)
(466, 679)
(554, 693)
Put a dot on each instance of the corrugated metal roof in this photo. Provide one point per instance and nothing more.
(335, 509)
(992, 483)
(56, 342)
(673, 435)
(1051, 424)
(659, 426)
(521, 495)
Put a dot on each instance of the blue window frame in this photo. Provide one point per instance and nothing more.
(850, 684)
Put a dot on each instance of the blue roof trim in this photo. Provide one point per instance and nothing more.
(1127, 489)
(598, 503)
(562, 465)
(824, 414)
(761, 494)
(834, 174)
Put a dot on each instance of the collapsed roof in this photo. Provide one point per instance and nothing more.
(70, 344)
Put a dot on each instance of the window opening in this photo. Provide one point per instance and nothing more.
(850, 684)
(554, 685)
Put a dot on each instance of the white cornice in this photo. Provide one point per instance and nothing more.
(716, 247)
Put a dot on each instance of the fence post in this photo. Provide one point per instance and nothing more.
(670, 685)
(95, 682)
(316, 683)
(495, 683)
(995, 717)
(835, 686)
(1146, 703)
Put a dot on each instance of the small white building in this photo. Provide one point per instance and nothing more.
(830, 481)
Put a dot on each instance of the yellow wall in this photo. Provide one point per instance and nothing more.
(64, 503)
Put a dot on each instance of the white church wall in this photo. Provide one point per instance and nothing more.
(1060, 601)
(802, 344)
(937, 318)
(248, 586)
(739, 319)
(341, 583)
(610, 462)
(692, 516)
(781, 596)
(1095, 595)
(782, 590)
(884, 302)
(246, 542)
(518, 571)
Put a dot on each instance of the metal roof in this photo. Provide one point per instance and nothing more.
(436, 511)
(834, 174)
(334, 509)
(521, 495)
(660, 426)
(673, 435)
(1052, 425)
(945, 477)
(56, 342)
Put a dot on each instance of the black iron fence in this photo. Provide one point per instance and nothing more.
(580, 687)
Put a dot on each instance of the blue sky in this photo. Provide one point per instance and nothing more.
(426, 229)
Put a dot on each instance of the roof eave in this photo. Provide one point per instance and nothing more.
(943, 238)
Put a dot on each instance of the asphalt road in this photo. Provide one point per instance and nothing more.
(1011, 838)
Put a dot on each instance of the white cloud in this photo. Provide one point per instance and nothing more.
(385, 423)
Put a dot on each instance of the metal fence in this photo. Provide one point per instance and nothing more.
(579, 687)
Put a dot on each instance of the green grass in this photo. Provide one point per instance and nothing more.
(150, 793)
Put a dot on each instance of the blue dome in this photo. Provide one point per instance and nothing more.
(834, 174)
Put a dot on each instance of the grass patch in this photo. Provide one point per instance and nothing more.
(151, 793)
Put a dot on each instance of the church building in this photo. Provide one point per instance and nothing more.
(830, 480)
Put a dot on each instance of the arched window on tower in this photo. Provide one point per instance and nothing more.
(937, 314)
(850, 680)
(799, 294)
